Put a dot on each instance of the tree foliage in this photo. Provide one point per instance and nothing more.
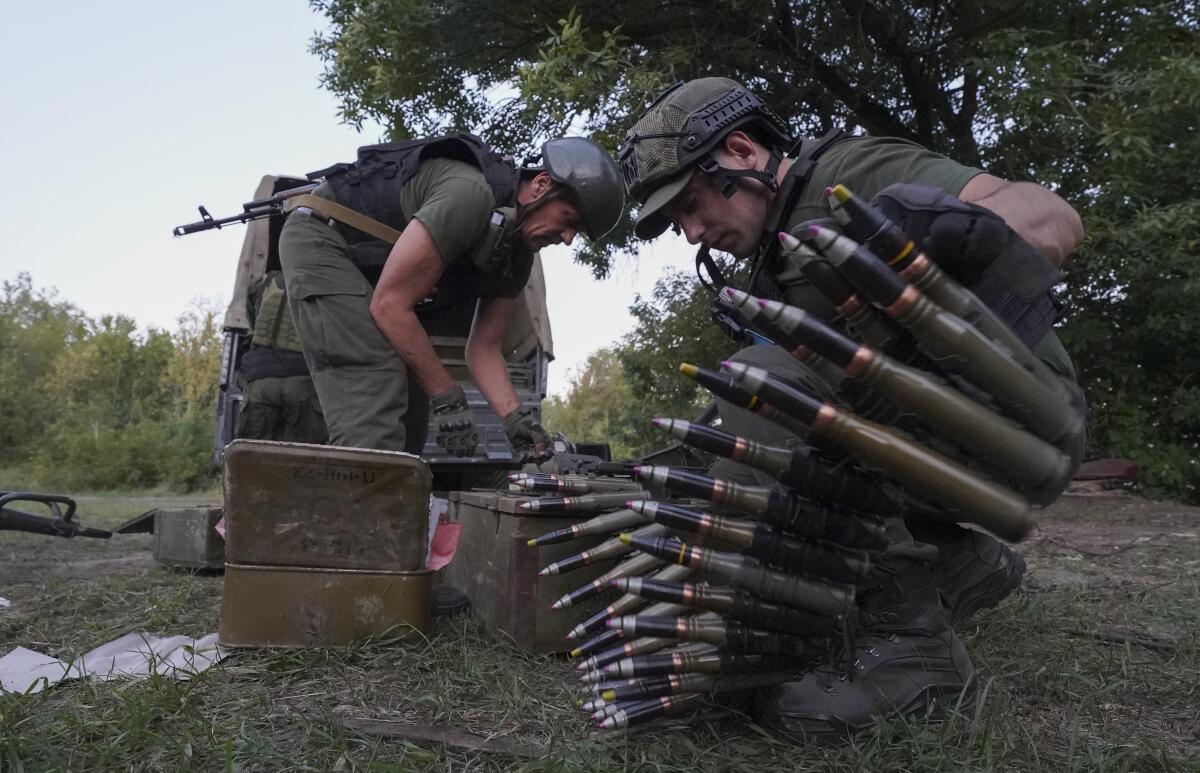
(99, 404)
(1095, 98)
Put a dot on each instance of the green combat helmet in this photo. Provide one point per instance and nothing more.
(675, 136)
(590, 175)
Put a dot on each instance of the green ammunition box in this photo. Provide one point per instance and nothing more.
(294, 504)
(283, 606)
(499, 572)
(187, 538)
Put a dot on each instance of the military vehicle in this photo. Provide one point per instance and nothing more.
(528, 349)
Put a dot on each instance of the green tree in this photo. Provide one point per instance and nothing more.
(599, 406)
(36, 327)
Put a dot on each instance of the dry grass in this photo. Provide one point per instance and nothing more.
(1055, 697)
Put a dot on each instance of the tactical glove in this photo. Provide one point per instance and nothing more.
(453, 423)
(963, 238)
(529, 440)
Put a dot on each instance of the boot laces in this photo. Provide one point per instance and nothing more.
(857, 646)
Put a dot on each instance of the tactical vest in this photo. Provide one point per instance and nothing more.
(372, 185)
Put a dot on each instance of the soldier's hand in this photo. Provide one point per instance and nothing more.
(453, 422)
(529, 440)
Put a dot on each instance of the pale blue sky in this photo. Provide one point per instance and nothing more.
(119, 118)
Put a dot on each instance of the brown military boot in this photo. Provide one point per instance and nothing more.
(973, 570)
(904, 659)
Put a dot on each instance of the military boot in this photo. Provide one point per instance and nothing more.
(903, 659)
(973, 570)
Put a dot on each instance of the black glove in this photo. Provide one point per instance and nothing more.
(453, 423)
(529, 440)
(963, 238)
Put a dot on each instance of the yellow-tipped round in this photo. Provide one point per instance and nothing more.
(626, 538)
(688, 369)
(576, 652)
(841, 193)
(531, 543)
(608, 695)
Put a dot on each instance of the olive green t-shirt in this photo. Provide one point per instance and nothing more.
(867, 165)
(454, 203)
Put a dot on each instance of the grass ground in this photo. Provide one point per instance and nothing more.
(1094, 665)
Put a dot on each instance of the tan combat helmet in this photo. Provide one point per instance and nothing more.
(674, 138)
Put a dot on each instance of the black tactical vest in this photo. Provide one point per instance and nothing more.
(372, 185)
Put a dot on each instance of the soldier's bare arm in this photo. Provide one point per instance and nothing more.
(1038, 214)
(485, 360)
(412, 270)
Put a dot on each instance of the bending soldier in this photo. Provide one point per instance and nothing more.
(469, 225)
(710, 159)
(279, 400)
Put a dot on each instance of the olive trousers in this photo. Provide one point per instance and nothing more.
(366, 394)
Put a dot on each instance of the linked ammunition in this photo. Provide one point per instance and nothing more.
(609, 549)
(637, 564)
(731, 637)
(751, 499)
(875, 329)
(953, 343)
(750, 575)
(692, 663)
(593, 484)
(785, 511)
(926, 473)
(645, 711)
(605, 639)
(807, 473)
(728, 390)
(764, 543)
(674, 684)
(733, 604)
(638, 646)
(652, 646)
(588, 503)
(626, 603)
(1029, 462)
(597, 642)
(606, 523)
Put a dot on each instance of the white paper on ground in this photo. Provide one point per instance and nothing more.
(133, 655)
(26, 671)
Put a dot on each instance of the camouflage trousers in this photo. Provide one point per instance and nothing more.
(366, 393)
(284, 409)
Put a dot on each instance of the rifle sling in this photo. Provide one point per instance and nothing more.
(346, 216)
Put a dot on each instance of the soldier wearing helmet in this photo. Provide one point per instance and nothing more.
(710, 159)
(469, 223)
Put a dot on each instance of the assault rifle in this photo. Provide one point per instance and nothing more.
(251, 210)
(60, 525)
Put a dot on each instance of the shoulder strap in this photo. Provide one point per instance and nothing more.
(793, 185)
(345, 215)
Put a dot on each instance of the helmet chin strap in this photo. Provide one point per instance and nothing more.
(725, 178)
(555, 191)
